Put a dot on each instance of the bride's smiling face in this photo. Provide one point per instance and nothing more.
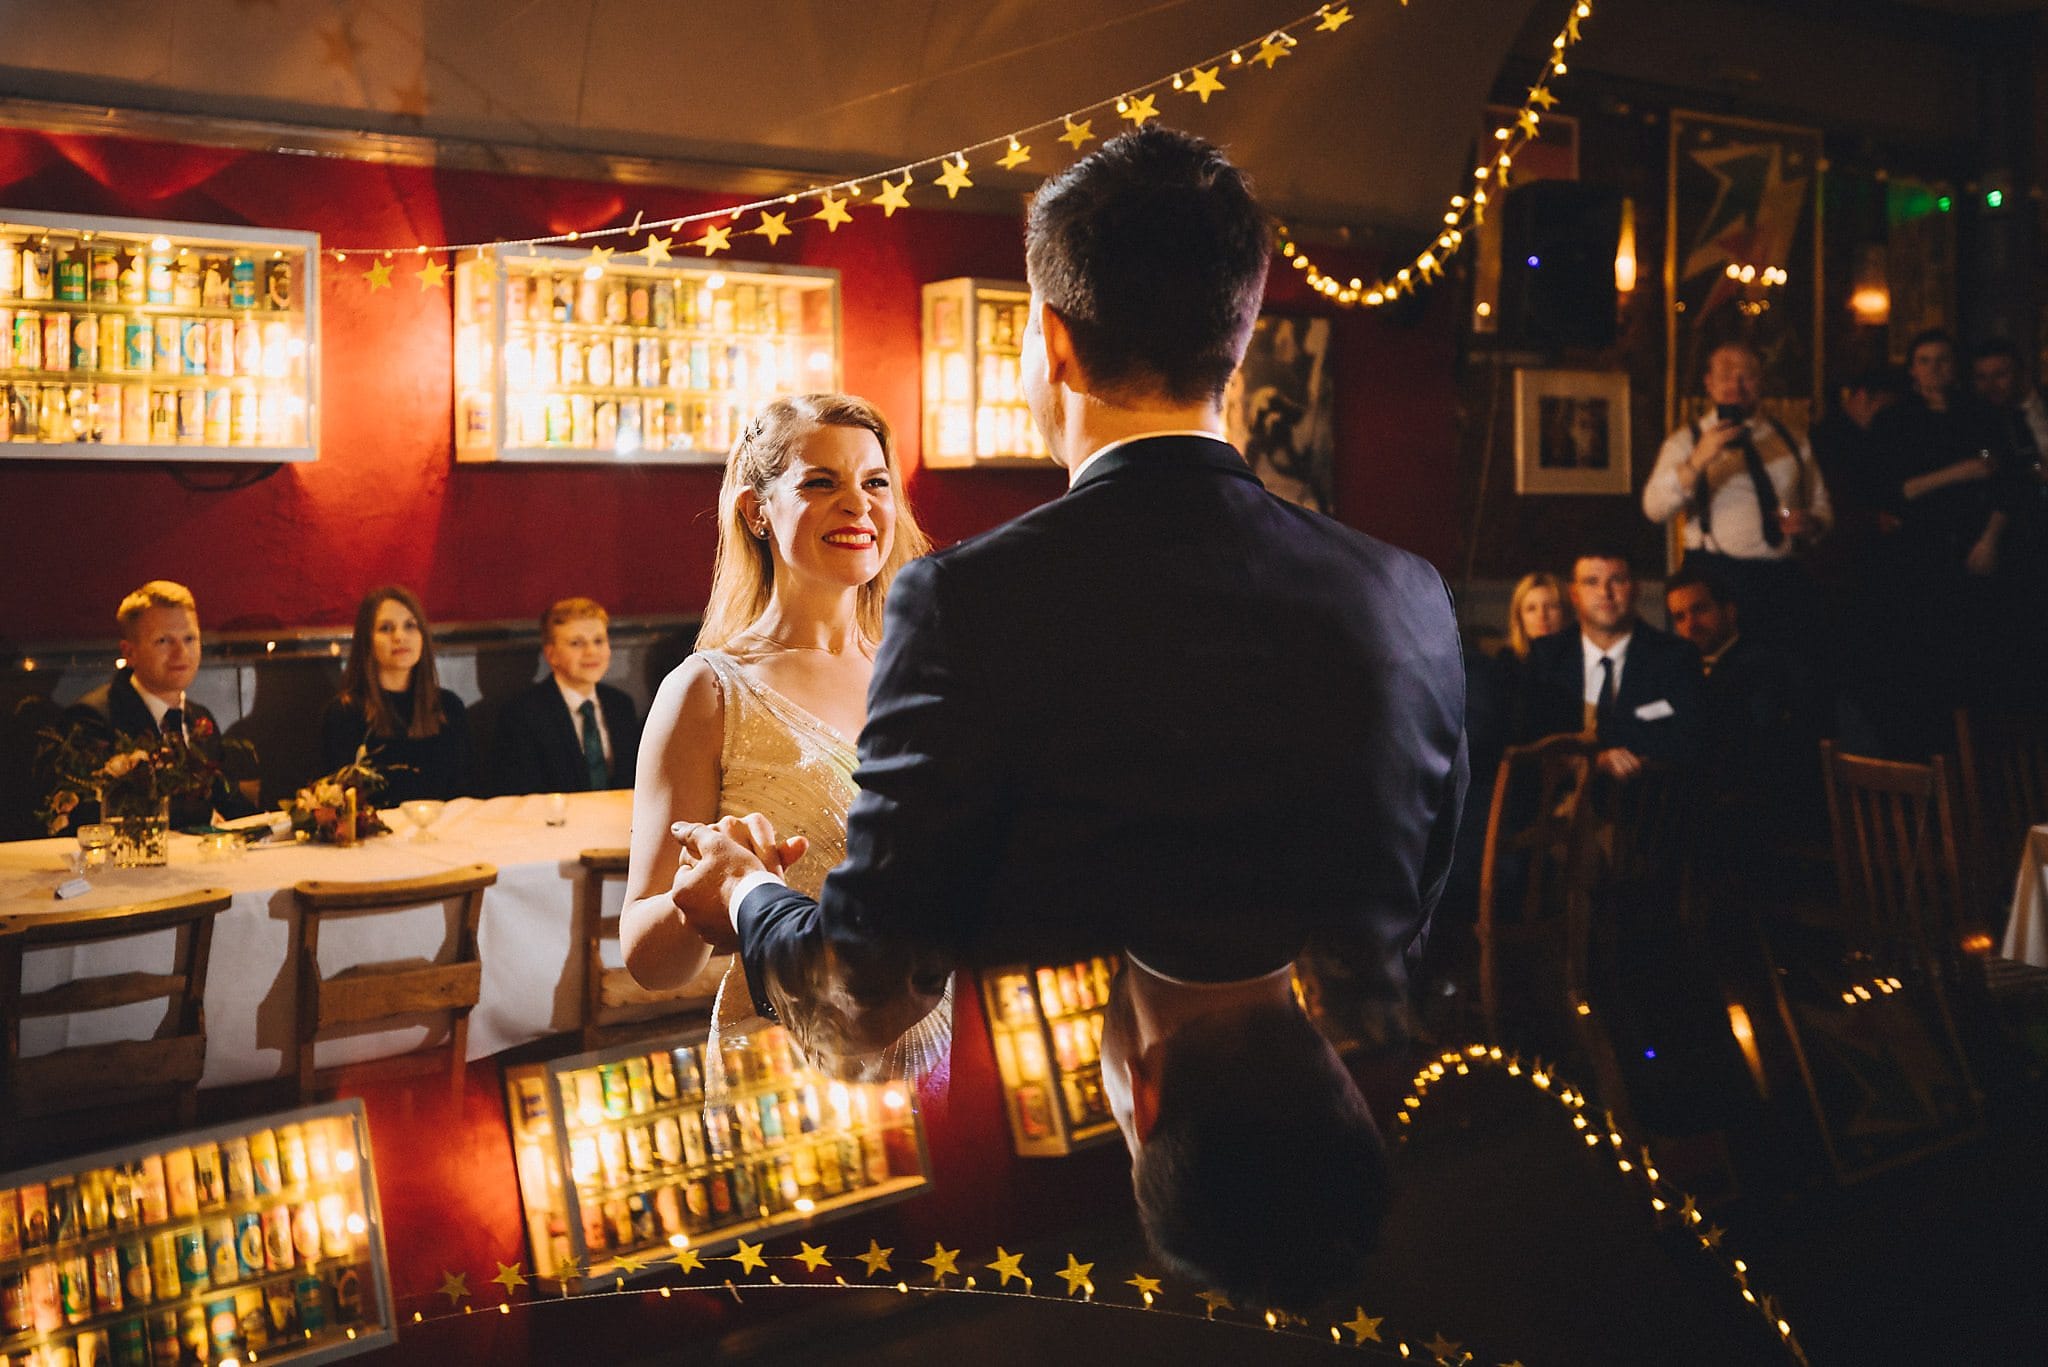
(831, 515)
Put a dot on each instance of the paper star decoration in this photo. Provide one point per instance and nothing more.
(1205, 83)
(656, 250)
(1015, 157)
(486, 267)
(876, 1258)
(1271, 51)
(599, 257)
(509, 1276)
(1008, 1265)
(455, 1286)
(892, 198)
(1147, 1286)
(1215, 1300)
(629, 1262)
(1075, 1274)
(1689, 1212)
(1712, 1238)
(832, 212)
(1078, 133)
(379, 276)
(1334, 19)
(1526, 121)
(1541, 97)
(715, 240)
(749, 1257)
(774, 227)
(689, 1260)
(942, 1261)
(566, 1271)
(1363, 1326)
(1138, 109)
(432, 276)
(1571, 28)
(1440, 1348)
(813, 1256)
(954, 177)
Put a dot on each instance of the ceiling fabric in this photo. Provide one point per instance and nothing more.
(1372, 125)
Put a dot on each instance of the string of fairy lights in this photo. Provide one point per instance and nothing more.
(1667, 1202)
(1465, 212)
(944, 1273)
(888, 190)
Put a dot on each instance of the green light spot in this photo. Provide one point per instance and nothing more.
(1944, 204)
(1994, 199)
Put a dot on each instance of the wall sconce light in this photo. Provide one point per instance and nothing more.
(1870, 297)
(1625, 250)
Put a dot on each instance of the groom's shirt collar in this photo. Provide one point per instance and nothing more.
(1099, 452)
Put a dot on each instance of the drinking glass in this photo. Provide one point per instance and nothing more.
(95, 841)
(422, 812)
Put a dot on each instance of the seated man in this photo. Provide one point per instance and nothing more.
(571, 732)
(1635, 688)
(146, 698)
(1753, 713)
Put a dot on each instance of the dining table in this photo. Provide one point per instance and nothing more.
(532, 981)
(2026, 929)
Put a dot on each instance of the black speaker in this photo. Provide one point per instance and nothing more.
(1557, 265)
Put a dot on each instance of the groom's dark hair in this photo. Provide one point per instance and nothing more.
(1154, 254)
(1263, 1175)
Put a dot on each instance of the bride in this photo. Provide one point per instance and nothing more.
(812, 527)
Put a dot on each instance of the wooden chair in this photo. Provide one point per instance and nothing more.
(163, 1070)
(615, 1006)
(369, 993)
(2002, 760)
(1881, 1000)
(1531, 824)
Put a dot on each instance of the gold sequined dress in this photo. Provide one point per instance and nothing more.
(777, 759)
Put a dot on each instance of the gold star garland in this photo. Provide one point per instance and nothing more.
(949, 170)
(1465, 211)
(1630, 1159)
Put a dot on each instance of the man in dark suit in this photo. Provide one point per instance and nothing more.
(571, 732)
(146, 699)
(1168, 714)
(1618, 678)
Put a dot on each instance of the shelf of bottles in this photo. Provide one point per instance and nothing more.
(974, 409)
(260, 1241)
(134, 339)
(557, 359)
(621, 1154)
(1046, 1024)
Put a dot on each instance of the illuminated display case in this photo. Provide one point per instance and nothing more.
(619, 1154)
(560, 360)
(1046, 1024)
(133, 339)
(974, 410)
(260, 1241)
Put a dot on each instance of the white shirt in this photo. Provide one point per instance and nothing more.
(1738, 521)
(574, 701)
(158, 706)
(1618, 652)
(1099, 452)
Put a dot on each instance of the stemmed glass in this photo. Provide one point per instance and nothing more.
(422, 812)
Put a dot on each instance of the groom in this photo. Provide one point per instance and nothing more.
(1168, 715)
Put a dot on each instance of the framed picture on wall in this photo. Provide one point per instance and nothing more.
(1571, 432)
(1279, 406)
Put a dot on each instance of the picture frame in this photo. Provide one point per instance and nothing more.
(1279, 409)
(1572, 432)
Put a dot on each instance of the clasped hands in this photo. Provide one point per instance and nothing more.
(716, 858)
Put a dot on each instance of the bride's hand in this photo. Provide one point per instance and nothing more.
(715, 860)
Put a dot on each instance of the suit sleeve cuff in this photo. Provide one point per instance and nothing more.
(746, 885)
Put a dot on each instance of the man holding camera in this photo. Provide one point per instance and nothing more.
(1751, 496)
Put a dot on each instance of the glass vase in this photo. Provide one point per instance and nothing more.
(141, 841)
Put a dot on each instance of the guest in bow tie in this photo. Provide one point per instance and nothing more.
(571, 732)
(160, 653)
(392, 708)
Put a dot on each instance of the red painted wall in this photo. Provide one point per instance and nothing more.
(386, 500)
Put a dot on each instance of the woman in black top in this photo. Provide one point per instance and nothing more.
(392, 706)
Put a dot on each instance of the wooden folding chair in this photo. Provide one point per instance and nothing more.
(163, 1070)
(1907, 944)
(369, 993)
(1530, 834)
(615, 1006)
(2002, 760)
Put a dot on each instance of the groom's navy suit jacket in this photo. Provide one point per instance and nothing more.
(1167, 712)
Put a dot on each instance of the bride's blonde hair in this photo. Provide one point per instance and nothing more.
(743, 576)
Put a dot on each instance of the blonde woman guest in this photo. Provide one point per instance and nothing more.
(1535, 610)
(812, 527)
(392, 707)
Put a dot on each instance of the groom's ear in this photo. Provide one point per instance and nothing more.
(1060, 365)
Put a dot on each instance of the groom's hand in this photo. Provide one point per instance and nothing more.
(715, 860)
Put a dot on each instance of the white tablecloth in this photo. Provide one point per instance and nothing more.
(2026, 934)
(532, 983)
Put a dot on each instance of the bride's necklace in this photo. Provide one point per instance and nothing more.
(862, 646)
